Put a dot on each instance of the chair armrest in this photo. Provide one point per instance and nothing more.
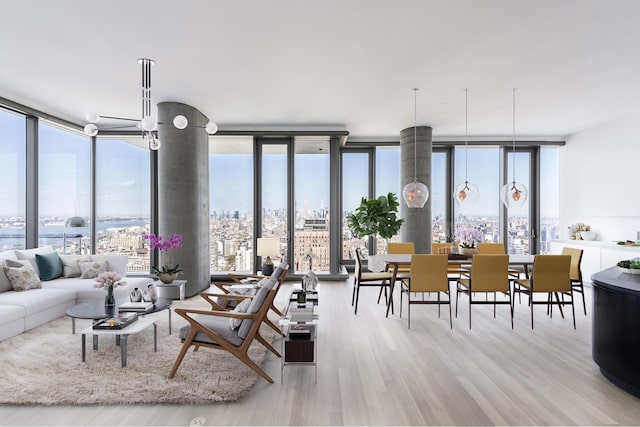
(238, 277)
(223, 286)
(186, 312)
(209, 297)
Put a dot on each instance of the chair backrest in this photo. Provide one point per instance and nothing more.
(401, 248)
(491, 248)
(551, 273)
(441, 248)
(489, 273)
(429, 273)
(358, 271)
(576, 259)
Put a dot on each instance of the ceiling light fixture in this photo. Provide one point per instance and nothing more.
(514, 194)
(415, 193)
(148, 124)
(467, 193)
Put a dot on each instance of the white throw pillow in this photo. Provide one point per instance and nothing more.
(117, 263)
(30, 255)
(234, 323)
(91, 269)
(71, 264)
(23, 278)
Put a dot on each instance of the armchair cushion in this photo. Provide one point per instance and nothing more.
(219, 325)
(234, 323)
(254, 307)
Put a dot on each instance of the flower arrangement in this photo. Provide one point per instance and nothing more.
(466, 245)
(168, 245)
(109, 280)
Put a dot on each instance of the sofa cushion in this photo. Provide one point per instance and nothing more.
(70, 266)
(49, 265)
(23, 278)
(219, 325)
(5, 285)
(40, 300)
(92, 269)
(30, 255)
(254, 307)
(115, 262)
(234, 323)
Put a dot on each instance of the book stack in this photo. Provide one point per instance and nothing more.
(301, 313)
(138, 307)
(300, 332)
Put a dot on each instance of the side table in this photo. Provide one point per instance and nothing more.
(167, 290)
(299, 349)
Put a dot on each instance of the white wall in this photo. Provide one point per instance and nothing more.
(600, 179)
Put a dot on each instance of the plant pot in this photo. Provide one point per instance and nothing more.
(167, 278)
(468, 252)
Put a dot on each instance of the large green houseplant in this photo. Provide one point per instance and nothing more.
(376, 217)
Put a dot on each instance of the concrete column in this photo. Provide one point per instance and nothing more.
(417, 224)
(183, 191)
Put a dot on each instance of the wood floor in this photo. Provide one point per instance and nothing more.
(373, 371)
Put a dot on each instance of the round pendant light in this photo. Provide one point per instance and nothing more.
(415, 194)
(466, 193)
(514, 194)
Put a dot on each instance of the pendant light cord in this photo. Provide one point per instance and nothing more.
(466, 136)
(514, 135)
(415, 135)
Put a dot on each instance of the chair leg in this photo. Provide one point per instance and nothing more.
(469, 308)
(357, 297)
(573, 311)
(408, 297)
(353, 294)
(511, 304)
(457, 294)
(494, 304)
(408, 313)
(559, 304)
(584, 304)
(183, 351)
(438, 305)
(380, 294)
(450, 319)
(267, 345)
(531, 305)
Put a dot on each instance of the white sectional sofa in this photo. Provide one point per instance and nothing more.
(27, 309)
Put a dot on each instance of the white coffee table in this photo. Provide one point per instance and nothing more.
(121, 336)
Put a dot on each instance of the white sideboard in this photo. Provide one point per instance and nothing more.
(597, 255)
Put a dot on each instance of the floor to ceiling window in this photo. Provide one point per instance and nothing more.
(387, 181)
(231, 203)
(64, 189)
(440, 198)
(123, 200)
(519, 218)
(481, 222)
(549, 197)
(274, 211)
(311, 181)
(355, 186)
(12, 180)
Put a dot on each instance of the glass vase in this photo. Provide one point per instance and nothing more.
(109, 299)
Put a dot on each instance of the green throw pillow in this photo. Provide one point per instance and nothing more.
(49, 265)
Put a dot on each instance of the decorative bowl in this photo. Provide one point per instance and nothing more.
(632, 271)
(588, 235)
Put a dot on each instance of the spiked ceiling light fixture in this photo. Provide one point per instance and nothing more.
(466, 193)
(514, 194)
(415, 193)
(148, 123)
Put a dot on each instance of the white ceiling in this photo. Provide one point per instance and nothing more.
(336, 64)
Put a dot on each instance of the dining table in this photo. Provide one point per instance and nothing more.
(394, 261)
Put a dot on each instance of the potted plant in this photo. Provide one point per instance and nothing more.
(168, 272)
(376, 217)
(468, 249)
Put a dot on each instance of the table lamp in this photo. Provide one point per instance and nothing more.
(268, 246)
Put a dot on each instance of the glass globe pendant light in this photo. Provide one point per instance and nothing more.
(514, 194)
(466, 193)
(415, 193)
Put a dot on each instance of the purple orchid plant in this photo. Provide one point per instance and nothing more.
(168, 245)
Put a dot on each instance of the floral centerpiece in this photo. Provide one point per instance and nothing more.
(168, 272)
(109, 280)
(468, 249)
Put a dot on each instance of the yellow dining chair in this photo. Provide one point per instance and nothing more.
(362, 278)
(445, 248)
(429, 273)
(550, 276)
(497, 248)
(489, 275)
(575, 273)
(407, 248)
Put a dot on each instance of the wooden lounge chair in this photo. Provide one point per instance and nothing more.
(211, 329)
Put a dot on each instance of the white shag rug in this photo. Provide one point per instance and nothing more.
(44, 366)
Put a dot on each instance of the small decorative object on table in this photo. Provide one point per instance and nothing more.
(136, 295)
(468, 249)
(168, 272)
(309, 281)
(150, 294)
(109, 280)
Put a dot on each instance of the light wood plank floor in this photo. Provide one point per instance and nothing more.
(373, 371)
